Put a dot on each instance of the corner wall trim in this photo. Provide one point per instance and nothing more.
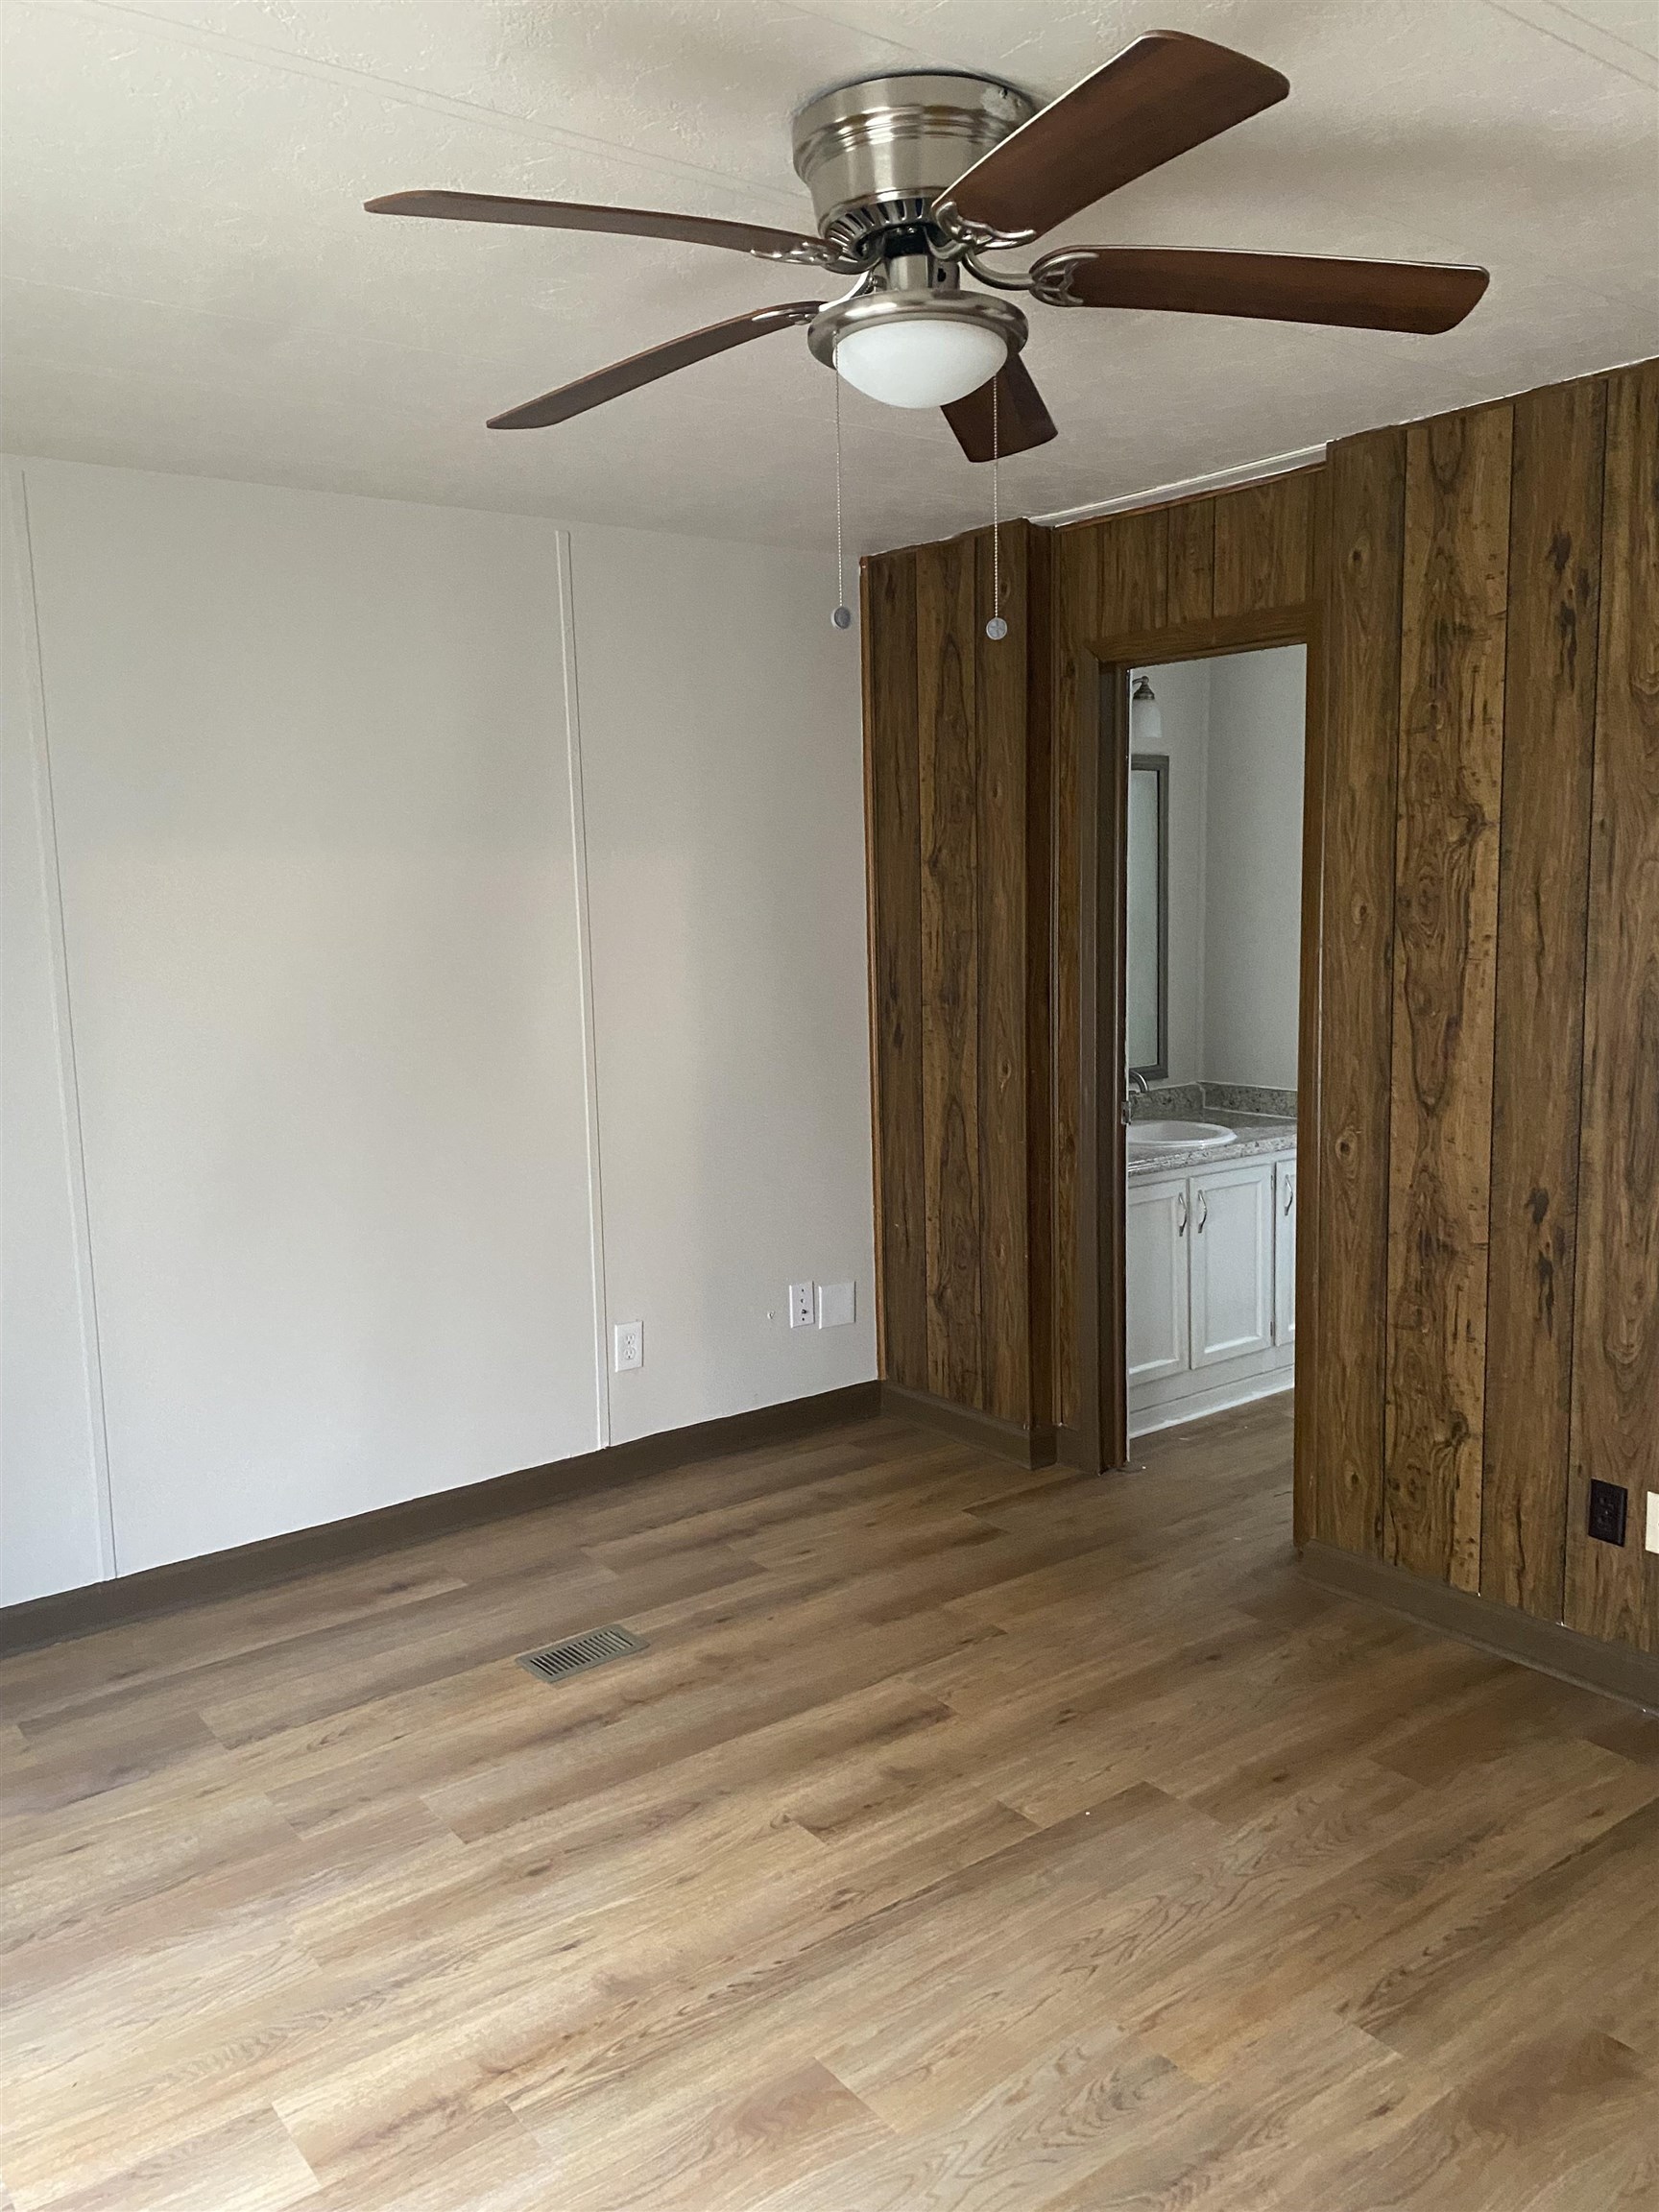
(1008, 1439)
(1545, 1644)
(184, 1582)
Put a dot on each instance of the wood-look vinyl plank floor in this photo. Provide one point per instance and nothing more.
(967, 1839)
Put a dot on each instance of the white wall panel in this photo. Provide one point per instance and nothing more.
(722, 762)
(1181, 690)
(314, 834)
(1252, 866)
(54, 1522)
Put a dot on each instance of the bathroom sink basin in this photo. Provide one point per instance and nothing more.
(1178, 1135)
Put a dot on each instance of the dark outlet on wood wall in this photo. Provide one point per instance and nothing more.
(1608, 1506)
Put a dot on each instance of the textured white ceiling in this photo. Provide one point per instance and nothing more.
(191, 284)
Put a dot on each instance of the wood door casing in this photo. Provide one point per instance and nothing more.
(1226, 573)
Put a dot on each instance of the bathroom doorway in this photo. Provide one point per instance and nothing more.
(1224, 655)
(1212, 813)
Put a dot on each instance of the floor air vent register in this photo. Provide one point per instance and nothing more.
(578, 1652)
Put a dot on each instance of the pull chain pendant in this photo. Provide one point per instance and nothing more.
(995, 629)
(843, 615)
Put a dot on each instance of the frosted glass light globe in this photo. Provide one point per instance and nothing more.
(915, 361)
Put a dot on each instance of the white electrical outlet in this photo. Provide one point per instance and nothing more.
(628, 1346)
(800, 1303)
(1652, 1538)
(834, 1305)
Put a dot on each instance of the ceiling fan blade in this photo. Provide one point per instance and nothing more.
(624, 222)
(1425, 296)
(646, 368)
(1166, 93)
(1022, 418)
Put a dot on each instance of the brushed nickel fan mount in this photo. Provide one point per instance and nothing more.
(916, 176)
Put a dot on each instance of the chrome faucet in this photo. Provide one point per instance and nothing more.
(1139, 1083)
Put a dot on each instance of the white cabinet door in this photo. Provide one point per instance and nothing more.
(1232, 1241)
(1155, 1239)
(1285, 1253)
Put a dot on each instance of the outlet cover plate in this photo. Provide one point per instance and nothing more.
(627, 1346)
(1609, 1503)
(1654, 1521)
(801, 1306)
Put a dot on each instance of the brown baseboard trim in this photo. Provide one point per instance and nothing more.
(1008, 1439)
(1545, 1644)
(184, 1582)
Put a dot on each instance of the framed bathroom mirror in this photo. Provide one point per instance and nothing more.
(1146, 1029)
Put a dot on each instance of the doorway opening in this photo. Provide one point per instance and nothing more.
(1208, 803)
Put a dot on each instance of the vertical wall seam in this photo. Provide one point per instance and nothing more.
(585, 985)
(63, 1024)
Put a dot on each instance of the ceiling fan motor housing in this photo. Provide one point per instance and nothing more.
(876, 154)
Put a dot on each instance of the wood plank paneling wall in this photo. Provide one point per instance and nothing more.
(1614, 1417)
(957, 784)
(1480, 1271)
(1492, 725)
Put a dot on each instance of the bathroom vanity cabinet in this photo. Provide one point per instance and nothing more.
(1210, 1281)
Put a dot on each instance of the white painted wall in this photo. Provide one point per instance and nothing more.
(1233, 727)
(1252, 866)
(723, 771)
(53, 1505)
(321, 882)
(1181, 690)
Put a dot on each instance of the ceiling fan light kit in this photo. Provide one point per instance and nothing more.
(921, 346)
(915, 176)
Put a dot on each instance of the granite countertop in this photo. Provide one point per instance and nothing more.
(1255, 1134)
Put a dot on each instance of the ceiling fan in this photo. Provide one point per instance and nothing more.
(917, 175)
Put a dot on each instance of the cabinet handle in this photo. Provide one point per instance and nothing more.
(1203, 1211)
(1181, 1213)
(1289, 1195)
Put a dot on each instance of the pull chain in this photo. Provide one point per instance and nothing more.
(995, 629)
(843, 615)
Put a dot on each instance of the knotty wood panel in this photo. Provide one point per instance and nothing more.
(893, 799)
(1039, 958)
(1192, 585)
(957, 788)
(999, 714)
(1131, 572)
(1262, 544)
(1366, 499)
(1453, 606)
(1549, 735)
(949, 782)
(1074, 574)
(1615, 1435)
